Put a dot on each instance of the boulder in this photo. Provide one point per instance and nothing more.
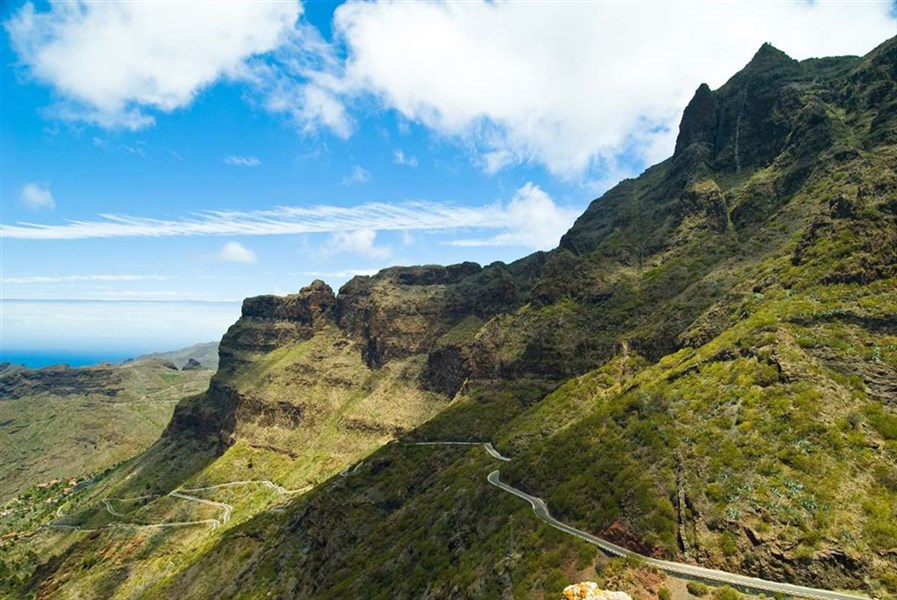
(589, 590)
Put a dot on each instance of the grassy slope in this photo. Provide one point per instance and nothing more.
(347, 411)
(47, 436)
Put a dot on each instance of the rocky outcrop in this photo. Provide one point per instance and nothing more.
(704, 203)
(589, 590)
(311, 307)
(401, 311)
(60, 380)
(698, 125)
(270, 322)
(192, 365)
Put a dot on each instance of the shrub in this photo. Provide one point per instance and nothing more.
(696, 588)
(664, 594)
(726, 593)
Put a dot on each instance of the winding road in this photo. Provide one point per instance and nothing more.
(540, 508)
(182, 494)
(673, 568)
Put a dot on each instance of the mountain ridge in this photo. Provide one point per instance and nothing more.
(703, 369)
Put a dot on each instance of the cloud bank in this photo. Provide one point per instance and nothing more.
(577, 87)
(112, 61)
(573, 85)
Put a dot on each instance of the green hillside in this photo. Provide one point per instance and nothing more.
(59, 422)
(705, 370)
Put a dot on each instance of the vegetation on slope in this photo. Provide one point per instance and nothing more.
(57, 423)
(706, 369)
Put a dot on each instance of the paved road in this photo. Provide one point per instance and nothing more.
(692, 571)
(494, 453)
(674, 568)
(488, 446)
(180, 493)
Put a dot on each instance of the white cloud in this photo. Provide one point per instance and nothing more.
(578, 87)
(531, 219)
(236, 252)
(400, 158)
(361, 242)
(300, 80)
(111, 61)
(243, 161)
(357, 175)
(37, 196)
(568, 85)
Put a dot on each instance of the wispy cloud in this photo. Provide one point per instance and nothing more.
(37, 196)
(36, 279)
(531, 219)
(357, 175)
(243, 161)
(400, 158)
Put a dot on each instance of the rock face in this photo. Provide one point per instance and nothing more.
(270, 322)
(589, 590)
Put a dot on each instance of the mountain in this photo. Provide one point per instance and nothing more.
(705, 370)
(58, 422)
(205, 354)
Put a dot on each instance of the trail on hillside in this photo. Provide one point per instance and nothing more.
(182, 494)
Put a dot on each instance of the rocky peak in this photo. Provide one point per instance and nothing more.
(192, 365)
(312, 306)
(698, 125)
(769, 57)
(268, 322)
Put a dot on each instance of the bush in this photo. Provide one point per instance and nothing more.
(726, 593)
(696, 588)
(664, 594)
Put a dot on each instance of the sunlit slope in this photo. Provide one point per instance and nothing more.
(59, 423)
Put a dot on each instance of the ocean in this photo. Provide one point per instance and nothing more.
(37, 359)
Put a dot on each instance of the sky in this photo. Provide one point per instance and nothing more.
(159, 161)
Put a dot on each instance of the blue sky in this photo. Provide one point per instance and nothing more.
(160, 162)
